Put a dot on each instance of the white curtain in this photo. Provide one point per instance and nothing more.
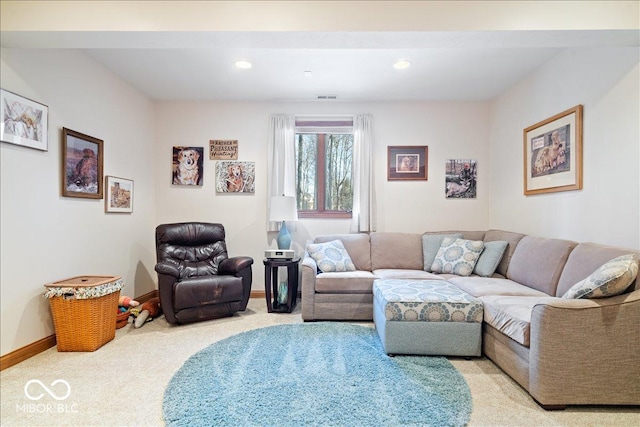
(281, 167)
(364, 204)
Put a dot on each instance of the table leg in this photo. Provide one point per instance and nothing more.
(267, 288)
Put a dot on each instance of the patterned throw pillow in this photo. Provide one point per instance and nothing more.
(331, 256)
(430, 246)
(612, 278)
(457, 256)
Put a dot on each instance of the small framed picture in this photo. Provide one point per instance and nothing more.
(188, 166)
(553, 153)
(81, 165)
(24, 122)
(119, 195)
(460, 178)
(407, 162)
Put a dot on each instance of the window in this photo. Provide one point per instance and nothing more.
(324, 161)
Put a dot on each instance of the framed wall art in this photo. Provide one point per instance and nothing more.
(235, 177)
(223, 150)
(461, 179)
(119, 196)
(553, 153)
(24, 122)
(188, 166)
(81, 165)
(407, 162)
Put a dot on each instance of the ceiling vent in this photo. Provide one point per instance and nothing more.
(327, 96)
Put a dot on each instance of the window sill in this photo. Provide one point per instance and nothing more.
(326, 215)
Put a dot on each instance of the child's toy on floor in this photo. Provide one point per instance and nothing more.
(146, 312)
(126, 302)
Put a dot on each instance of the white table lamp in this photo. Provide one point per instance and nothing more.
(283, 208)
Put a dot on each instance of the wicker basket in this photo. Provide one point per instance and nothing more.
(122, 319)
(84, 310)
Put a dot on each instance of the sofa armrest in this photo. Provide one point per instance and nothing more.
(308, 285)
(586, 351)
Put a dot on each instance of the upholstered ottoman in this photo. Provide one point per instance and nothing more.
(427, 317)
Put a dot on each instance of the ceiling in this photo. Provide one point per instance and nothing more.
(187, 50)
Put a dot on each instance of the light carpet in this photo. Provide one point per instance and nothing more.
(314, 374)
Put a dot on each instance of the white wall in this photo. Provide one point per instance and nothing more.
(606, 210)
(450, 130)
(47, 237)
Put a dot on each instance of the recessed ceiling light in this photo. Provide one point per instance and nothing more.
(243, 64)
(308, 74)
(402, 64)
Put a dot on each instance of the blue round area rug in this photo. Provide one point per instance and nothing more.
(321, 374)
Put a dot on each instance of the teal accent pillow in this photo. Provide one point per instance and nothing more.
(331, 256)
(457, 256)
(612, 278)
(490, 258)
(430, 245)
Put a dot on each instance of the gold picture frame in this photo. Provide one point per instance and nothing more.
(81, 165)
(552, 153)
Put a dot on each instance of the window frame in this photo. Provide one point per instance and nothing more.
(322, 128)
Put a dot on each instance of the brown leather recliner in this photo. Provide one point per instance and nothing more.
(196, 278)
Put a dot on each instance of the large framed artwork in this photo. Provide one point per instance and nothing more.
(119, 195)
(407, 162)
(81, 165)
(553, 153)
(24, 122)
(235, 177)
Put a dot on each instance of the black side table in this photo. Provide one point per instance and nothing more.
(271, 266)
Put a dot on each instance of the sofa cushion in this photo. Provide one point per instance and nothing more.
(490, 258)
(458, 256)
(398, 273)
(612, 278)
(331, 256)
(358, 246)
(482, 286)
(511, 315)
(430, 246)
(396, 250)
(585, 259)
(512, 239)
(350, 282)
(538, 262)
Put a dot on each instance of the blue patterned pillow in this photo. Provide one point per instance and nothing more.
(331, 256)
(457, 256)
(612, 278)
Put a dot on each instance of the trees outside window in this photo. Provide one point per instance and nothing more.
(324, 181)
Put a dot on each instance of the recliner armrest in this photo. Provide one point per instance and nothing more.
(169, 267)
(234, 265)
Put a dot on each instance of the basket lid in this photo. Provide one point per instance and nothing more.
(83, 281)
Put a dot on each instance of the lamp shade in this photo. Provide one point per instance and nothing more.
(283, 208)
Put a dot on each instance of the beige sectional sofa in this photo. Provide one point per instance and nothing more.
(562, 351)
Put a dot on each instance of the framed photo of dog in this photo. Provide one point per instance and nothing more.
(188, 166)
(553, 153)
(24, 122)
(407, 163)
(119, 195)
(235, 177)
(81, 165)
